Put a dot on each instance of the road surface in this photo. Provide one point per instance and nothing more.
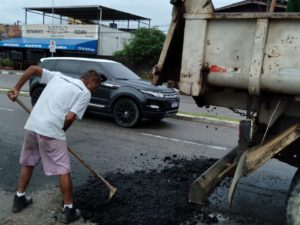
(109, 148)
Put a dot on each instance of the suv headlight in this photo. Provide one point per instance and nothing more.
(153, 93)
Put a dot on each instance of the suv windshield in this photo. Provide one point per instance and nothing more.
(119, 71)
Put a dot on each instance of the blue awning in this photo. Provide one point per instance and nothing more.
(83, 45)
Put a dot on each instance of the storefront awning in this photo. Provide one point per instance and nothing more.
(83, 45)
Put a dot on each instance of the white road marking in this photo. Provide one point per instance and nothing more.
(186, 142)
(22, 93)
(6, 109)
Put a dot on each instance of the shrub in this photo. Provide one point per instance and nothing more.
(147, 44)
(1, 61)
(6, 62)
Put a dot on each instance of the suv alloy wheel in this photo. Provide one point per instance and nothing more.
(126, 112)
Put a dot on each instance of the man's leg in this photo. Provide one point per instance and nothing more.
(70, 212)
(29, 158)
(66, 188)
(25, 175)
(56, 161)
(20, 200)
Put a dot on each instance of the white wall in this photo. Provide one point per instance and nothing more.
(112, 40)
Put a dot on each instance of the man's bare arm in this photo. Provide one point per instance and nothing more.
(70, 117)
(31, 71)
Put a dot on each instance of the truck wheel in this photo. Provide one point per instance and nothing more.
(126, 112)
(36, 94)
(293, 201)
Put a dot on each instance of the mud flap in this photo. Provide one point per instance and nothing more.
(245, 163)
(208, 181)
(255, 157)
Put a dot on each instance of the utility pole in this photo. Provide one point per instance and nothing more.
(52, 42)
(99, 31)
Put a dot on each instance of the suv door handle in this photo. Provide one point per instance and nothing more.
(111, 85)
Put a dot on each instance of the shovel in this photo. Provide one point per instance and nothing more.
(112, 189)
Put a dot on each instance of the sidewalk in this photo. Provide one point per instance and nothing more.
(11, 72)
(188, 110)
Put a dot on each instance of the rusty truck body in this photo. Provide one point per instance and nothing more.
(245, 61)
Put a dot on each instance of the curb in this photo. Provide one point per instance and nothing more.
(11, 72)
(207, 120)
(22, 93)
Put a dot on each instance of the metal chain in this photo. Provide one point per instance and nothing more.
(237, 112)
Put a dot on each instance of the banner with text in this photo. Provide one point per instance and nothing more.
(61, 31)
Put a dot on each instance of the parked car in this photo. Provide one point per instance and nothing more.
(123, 95)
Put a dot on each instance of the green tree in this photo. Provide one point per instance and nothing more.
(147, 44)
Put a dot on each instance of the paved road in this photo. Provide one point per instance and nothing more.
(110, 148)
(7, 81)
(100, 140)
(187, 104)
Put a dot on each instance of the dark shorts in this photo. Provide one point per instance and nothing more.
(52, 152)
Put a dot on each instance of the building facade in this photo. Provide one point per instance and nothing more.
(88, 36)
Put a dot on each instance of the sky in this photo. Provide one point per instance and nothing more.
(159, 11)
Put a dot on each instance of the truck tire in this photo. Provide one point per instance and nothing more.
(293, 201)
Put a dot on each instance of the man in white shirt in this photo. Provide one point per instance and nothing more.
(63, 100)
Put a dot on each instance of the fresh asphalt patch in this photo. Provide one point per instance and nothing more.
(146, 197)
(159, 196)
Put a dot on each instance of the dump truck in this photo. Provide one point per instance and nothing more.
(243, 61)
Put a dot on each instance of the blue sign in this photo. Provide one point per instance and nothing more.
(83, 45)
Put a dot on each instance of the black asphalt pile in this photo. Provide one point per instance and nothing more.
(146, 197)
